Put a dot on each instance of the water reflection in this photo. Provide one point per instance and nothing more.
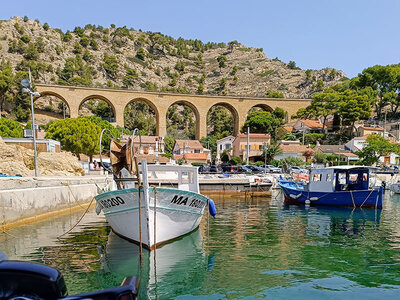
(175, 268)
(255, 247)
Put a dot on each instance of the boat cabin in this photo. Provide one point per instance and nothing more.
(340, 178)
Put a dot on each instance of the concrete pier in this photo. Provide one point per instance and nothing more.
(29, 199)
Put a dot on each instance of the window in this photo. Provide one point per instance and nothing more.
(242, 147)
(353, 178)
(365, 176)
(342, 178)
(220, 147)
(196, 151)
(227, 146)
(328, 177)
(317, 177)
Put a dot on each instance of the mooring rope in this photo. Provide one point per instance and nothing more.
(352, 198)
(367, 198)
(87, 209)
(155, 221)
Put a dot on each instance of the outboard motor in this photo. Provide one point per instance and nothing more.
(28, 280)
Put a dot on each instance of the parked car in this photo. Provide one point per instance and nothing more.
(243, 169)
(255, 169)
(204, 169)
(273, 169)
(297, 170)
(226, 168)
(215, 169)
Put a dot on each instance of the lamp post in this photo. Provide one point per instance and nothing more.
(27, 88)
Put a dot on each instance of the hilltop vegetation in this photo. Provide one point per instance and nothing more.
(118, 57)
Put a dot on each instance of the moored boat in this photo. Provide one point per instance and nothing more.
(150, 215)
(335, 186)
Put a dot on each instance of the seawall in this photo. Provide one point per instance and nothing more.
(29, 199)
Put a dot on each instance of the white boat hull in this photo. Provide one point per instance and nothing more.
(175, 213)
(395, 188)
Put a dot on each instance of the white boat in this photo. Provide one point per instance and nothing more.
(395, 187)
(163, 273)
(150, 215)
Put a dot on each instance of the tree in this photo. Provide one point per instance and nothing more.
(320, 158)
(110, 65)
(262, 122)
(78, 135)
(130, 77)
(382, 79)
(10, 128)
(232, 44)
(377, 146)
(221, 61)
(272, 150)
(105, 143)
(6, 83)
(236, 160)
(169, 143)
(140, 54)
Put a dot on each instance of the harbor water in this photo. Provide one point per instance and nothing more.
(254, 248)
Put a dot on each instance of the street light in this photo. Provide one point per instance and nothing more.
(27, 88)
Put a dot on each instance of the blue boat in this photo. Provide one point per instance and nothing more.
(335, 186)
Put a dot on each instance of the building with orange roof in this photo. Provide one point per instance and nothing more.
(308, 125)
(257, 142)
(367, 130)
(182, 147)
(293, 150)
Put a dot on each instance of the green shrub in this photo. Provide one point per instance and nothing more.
(10, 128)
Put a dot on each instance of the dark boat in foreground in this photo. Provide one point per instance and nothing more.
(28, 280)
(335, 186)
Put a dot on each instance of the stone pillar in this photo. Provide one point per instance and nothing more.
(119, 115)
(161, 126)
(240, 122)
(201, 125)
(74, 111)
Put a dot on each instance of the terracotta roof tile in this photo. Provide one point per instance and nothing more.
(372, 128)
(294, 148)
(191, 144)
(193, 156)
(313, 124)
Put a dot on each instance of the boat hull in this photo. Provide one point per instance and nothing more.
(175, 213)
(356, 198)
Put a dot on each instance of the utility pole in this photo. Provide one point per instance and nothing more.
(27, 88)
(248, 146)
(384, 126)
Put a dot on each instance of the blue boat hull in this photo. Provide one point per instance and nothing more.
(293, 192)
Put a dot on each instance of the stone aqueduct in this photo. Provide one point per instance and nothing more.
(160, 102)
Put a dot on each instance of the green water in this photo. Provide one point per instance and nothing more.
(254, 248)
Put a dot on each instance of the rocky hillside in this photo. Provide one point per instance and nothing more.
(126, 58)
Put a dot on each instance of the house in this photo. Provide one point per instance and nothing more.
(358, 143)
(308, 125)
(223, 144)
(366, 130)
(42, 145)
(257, 142)
(182, 147)
(340, 150)
(292, 150)
(146, 144)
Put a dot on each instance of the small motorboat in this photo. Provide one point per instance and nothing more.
(335, 186)
(150, 215)
(29, 280)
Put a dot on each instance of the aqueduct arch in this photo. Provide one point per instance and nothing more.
(162, 101)
(234, 113)
(195, 111)
(151, 105)
(97, 97)
(56, 95)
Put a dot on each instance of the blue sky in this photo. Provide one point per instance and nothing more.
(348, 35)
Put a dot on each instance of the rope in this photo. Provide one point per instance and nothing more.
(352, 198)
(87, 209)
(367, 198)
